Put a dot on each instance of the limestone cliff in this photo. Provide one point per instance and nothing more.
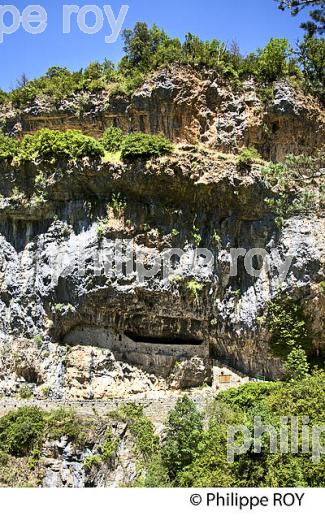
(192, 106)
(74, 326)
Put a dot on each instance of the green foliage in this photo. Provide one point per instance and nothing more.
(112, 139)
(194, 288)
(8, 147)
(21, 431)
(4, 97)
(38, 340)
(110, 445)
(216, 238)
(289, 180)
(196, 236)
(273, 60)
(90, 461)
(317, 22)
(118, 204)
(25, 392)
(247, 396)
(311, 56)
(157, 473)
(247, 157)
(46, 391)
(59, 83)
(209, 466)
(52, 145)
(296, 366)
(142, 430)
(144, 146)
(288, 326)
(147, 49)
(63, 423)
(183, 434)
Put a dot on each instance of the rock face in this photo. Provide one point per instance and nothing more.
(83, 313)
(101, 298)
(191, 106)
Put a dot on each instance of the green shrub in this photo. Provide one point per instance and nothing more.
(8, 147)
(110, 445)
(38, 340)
(112, 139)
(273, 61)
(46, 391)
(21, 431)
(118, 204)
(194, 288)
(63, 423)
(52, 145)
(246, 396)
(247, 157)
(90, 461)
(142, 430)
(288, 326)
(296, 366)
(25, 392)
(140, 145)
(4, 97)
(311, 55)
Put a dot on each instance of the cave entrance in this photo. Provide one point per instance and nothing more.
(163, 340)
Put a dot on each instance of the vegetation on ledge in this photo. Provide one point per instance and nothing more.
(149, 49)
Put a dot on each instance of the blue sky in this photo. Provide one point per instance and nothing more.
(250, 22)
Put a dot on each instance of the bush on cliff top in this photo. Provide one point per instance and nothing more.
(140, 145)
(51, 145)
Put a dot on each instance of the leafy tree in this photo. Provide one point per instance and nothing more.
(140, 45)
(273, 60)
(311, 56)
(317, 23)
(183, 434)
(246, 396)
(297, 366)
(170, 51)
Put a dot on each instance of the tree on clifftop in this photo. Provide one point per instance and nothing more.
(317, 23)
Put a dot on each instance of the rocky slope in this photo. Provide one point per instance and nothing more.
(188, 105)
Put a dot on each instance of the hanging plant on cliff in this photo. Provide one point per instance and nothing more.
(288, 326)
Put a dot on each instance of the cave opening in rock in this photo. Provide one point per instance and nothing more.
(166, 340)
